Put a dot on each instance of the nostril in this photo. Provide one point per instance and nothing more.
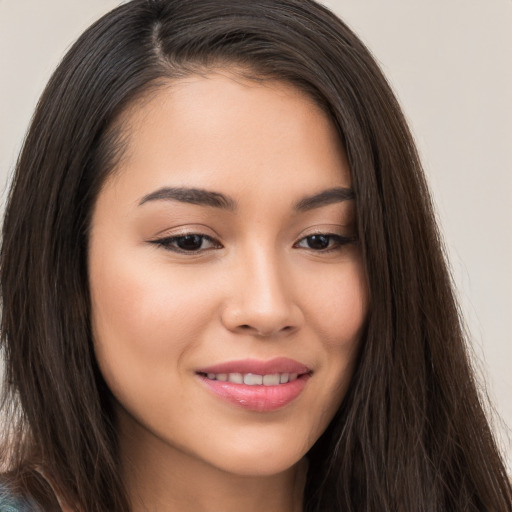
(249, 329)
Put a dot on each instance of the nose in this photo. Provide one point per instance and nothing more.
(263, 301)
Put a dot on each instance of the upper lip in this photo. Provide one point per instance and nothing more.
(258, 367)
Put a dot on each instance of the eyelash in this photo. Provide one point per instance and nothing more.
(338, 241)
(167, 243)
(334, 241)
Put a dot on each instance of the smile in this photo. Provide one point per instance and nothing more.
(259, 386)
(251, 379)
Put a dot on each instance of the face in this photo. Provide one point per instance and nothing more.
(228, 294)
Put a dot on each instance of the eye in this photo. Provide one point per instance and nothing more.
(323, 242)
(190, 242)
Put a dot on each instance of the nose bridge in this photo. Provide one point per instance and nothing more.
(263, 301)
(264, 271)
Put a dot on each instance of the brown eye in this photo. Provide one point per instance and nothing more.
(188, 243)
(324, 242)
(318, 242)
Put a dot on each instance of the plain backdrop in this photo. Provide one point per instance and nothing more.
(450, 63)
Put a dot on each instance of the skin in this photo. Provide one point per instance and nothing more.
(254, 289)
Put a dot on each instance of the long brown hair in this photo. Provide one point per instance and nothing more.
(411, 434)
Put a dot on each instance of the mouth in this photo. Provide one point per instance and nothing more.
(251, 379)
(258, 386)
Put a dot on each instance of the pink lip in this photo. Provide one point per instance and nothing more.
(257, 398)
(258, 367)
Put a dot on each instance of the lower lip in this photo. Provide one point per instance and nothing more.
(257, 398)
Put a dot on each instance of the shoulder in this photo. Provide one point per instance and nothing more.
(11, 503)
(27, 490)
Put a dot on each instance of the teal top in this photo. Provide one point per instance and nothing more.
(10, 503)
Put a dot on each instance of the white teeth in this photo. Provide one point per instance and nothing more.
(237, 378)
(271, 380)
(252, 379)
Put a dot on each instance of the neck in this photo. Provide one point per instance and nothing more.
(164, 479)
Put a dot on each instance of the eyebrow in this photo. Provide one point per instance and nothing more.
(191, 195)
(327, 197)
(217, 200)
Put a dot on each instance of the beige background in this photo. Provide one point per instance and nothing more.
(449, 61)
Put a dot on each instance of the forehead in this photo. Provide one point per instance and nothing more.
(221, 128)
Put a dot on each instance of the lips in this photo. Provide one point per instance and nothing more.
(252, 379)
(256, 385)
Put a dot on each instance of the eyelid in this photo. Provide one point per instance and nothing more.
(184, 230)
(340, 230)
(166, 241)
(340, 240)
(337, 239)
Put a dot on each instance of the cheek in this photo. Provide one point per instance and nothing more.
(337, 314)
(345, 324)
(144, 319)
(338, 304)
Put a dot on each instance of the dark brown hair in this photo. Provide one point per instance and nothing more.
(411, 434)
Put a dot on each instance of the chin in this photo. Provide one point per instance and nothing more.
(261, 467)
(253, 460)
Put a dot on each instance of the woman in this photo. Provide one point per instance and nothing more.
(223, 287)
